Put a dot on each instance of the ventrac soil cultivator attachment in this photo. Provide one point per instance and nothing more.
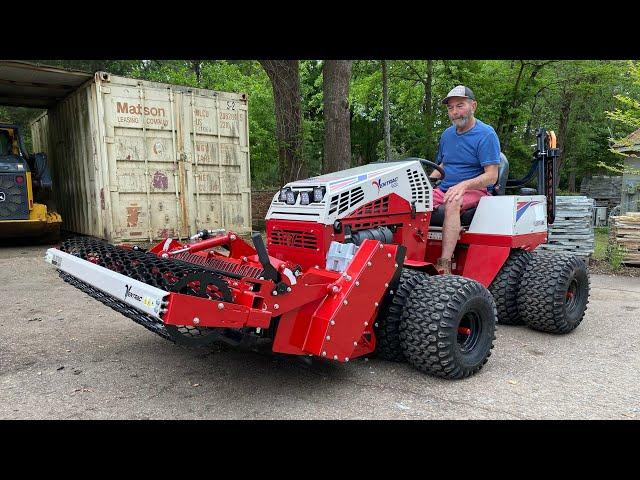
(348, 270)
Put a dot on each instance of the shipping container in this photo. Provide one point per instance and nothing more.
(137, 161)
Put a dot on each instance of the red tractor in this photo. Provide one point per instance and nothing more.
(348, 270)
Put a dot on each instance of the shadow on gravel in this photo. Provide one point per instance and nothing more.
(248, 371)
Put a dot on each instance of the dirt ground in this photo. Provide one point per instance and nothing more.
(64, 355)
(604, 268)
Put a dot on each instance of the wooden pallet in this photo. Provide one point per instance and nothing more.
(625, 231)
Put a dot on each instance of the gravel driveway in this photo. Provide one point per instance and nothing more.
(64, 355)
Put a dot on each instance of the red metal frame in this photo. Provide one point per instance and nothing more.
(326, 313)
(480, 256)
(319, 307)
(339, 324)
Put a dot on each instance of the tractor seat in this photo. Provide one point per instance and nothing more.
(437, 217)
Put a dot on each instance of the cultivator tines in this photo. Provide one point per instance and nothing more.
(145, 267)
(222, 267)
(170, 275)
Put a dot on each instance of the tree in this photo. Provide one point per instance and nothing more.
(577, 94)
(365, 98)
(629, 117)
(285, 81)
(521, 91)
(422, 73)
(337, 144)
(385, 110)
(196, 65)
(588, 103)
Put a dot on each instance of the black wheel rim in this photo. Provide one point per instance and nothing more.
(469, 331)
(574, 296)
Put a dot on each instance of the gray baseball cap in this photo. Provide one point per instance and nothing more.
(459, 91)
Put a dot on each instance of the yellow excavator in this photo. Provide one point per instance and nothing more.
(25, 190)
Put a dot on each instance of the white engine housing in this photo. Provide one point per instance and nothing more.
(348, 190)
(510, 215)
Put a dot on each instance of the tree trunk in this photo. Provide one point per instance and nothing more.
(197, 69)
(527, 128)
(337, 122)
(427, 108)
(509, 115)
(385, 112)
(503, 126)
(285, 80)
(563, 123)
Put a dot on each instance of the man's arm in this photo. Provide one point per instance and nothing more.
(436, 173)
(489, 177)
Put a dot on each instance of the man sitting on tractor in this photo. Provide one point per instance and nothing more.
(469, 152)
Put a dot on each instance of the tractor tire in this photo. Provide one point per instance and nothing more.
(506, 285)
(387, 324)
(554, 292)
(448, 326)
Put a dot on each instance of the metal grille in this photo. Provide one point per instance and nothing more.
(418, 183)
(294, 238)
(13, 197)
(346, 200)
(377, 207)
(372, 224)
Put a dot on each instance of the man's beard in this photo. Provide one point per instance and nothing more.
(461, 122)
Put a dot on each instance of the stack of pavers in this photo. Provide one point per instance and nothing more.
(572, 231)
(625, 231)
(606, 191)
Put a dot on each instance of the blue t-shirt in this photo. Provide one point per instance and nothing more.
(465, 155)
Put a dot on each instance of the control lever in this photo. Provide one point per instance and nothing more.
(269, 271)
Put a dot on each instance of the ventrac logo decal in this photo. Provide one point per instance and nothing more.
(128, 293)
(2, 197)
(523, 207)
(380, 184)
(290, 239)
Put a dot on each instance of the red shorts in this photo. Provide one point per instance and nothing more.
(470, 200)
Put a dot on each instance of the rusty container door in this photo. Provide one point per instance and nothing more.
(216, 144)
(146, 177)
(66, 134)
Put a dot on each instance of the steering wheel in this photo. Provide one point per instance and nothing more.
(429, 163)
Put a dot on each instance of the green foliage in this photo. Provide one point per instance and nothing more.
(22, 117)
(607, 249)
(601, 243)
(587, 102)
(629, 114)
(312, 118)
(626, 116)
(365, 99)
(616, 254)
